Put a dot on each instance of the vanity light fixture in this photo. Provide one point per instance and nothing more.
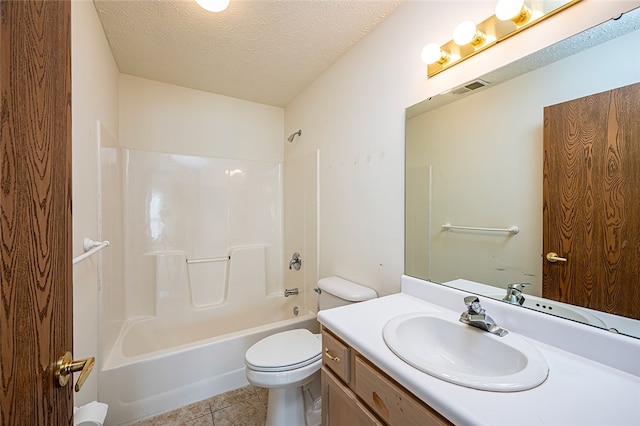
(511, 17)
(432, 54)
(213, 5)
(514, 10)
(468, 33)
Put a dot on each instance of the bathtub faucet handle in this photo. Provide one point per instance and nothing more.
(296, 261)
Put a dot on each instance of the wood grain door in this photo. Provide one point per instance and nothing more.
(35, 211)
(591, 210)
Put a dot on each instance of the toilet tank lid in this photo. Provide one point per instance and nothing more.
(347, 290)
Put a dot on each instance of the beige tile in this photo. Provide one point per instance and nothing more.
(263, 394)
(180, 416)
(247, 413)
(148, 422)
(245, 406)
(206, 420)
(232, 397)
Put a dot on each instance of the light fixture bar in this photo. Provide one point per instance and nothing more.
(495, 31)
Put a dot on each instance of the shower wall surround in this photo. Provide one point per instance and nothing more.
(157, 308)
(198, 207)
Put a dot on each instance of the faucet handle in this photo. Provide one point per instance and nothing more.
(473, 305)
(470, 299)
(518, 286)
(515, 293)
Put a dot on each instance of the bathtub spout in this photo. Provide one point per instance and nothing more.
(290, 292)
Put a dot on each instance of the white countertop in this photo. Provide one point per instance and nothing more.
(578, 390)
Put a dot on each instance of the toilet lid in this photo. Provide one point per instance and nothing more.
(285, 351)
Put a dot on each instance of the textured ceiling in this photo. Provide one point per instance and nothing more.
(266, 51)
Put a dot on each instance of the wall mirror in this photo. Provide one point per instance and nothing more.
(474, 157)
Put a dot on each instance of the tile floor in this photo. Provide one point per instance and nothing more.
(246, 406)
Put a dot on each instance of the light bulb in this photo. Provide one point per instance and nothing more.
(213, 5)
(432, 54)
(467, 33)
(513, 10)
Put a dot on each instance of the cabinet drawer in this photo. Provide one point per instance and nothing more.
(336, 356)
(389, 401)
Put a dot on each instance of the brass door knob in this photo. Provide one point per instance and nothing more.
(66, 366)
(553, 257)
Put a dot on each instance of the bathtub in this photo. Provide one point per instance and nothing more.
(192, 345)
(140, 385)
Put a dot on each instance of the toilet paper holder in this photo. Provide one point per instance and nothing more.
(66, 366)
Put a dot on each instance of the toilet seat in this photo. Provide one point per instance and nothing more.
(285, 351)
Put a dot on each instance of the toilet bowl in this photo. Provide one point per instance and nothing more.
(286, 362)
(284, 359)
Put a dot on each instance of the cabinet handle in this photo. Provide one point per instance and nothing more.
(331, 357)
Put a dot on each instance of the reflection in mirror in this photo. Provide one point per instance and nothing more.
(475, 159)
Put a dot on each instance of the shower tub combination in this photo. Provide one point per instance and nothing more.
(186, 353)
(175, 323)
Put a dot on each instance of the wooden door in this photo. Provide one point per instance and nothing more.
(591, 210)
(35, 211)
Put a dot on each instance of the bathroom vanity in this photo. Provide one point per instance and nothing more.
(356, 392)
(593, 375)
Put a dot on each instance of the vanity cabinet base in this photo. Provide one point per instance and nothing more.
(341, 407)
(365, 395)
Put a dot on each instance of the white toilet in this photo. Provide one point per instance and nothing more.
(287, 361)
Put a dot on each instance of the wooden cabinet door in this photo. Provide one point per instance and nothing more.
(392, 403)
(591, 205)
(340, 406)
(35, 205)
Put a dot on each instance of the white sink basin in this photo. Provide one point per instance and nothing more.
(558, 309)
(443, 347)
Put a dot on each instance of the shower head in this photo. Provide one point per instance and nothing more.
(294, 134)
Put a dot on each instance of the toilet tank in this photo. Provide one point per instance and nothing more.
(336, 291)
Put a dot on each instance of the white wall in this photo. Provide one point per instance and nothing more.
(354, 115)
(95, 97)
(166, 118)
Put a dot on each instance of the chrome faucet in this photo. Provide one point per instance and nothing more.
(290, 292)
(514, 293)
(476, 317)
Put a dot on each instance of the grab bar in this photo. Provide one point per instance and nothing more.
(209, 259)
(511, 229)
(90, 247)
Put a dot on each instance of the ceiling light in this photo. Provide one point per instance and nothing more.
(513, 10)
(467, 33)
(213, 5)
